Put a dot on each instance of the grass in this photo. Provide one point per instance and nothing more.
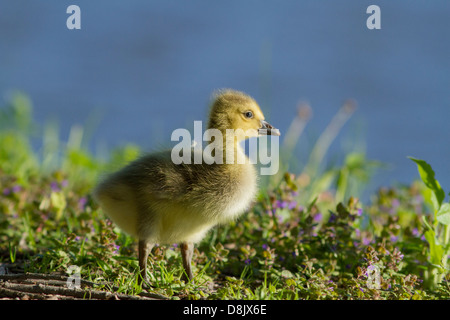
(307, 236)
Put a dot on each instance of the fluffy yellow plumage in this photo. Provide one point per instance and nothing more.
(158, 201)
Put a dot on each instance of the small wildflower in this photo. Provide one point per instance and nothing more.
(277, 204)
(82, 203)
(6, 191)
(395, 203)
(284, 204)
(292, 205)
(318, 217)
(265, 246)
(366, 241)
(280, 218)
(16, 188)
(247, 261)
(54, 186)
(332, 218)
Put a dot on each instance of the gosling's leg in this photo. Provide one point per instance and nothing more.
(187, 251)
(144, 249)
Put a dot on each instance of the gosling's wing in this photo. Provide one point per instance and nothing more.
(156, 175)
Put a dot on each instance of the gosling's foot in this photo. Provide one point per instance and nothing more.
(146, 285)
(186, 278)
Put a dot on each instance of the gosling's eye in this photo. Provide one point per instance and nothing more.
(248, 114)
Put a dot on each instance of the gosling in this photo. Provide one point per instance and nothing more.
(159, 202)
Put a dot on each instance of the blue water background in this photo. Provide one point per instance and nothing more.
(145, 68)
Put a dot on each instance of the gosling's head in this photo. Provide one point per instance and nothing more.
(236, 110)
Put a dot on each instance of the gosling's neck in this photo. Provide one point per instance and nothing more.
(228, 150)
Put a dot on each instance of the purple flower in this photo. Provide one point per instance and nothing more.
(332, 218)
(394, 238)
(6, 191)
(318, 217)
(82, 203)
(359, 212)
(415, 232)
(54, 186)
(16, 188)
(247, 261)
(116, 249)
(418, 199)
(395, 203)
(292, 205)
(64, 183)
(366, 241)
(371, 267)
(280, 218)
(265, 246)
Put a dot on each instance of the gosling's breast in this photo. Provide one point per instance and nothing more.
(242, 192)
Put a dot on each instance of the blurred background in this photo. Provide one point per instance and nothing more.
(137, 70)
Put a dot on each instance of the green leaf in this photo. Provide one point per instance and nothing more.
(443, 215)
(427, 176)
(436, 250)
(287, 274)
(426, 223)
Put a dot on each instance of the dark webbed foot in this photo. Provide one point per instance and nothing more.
(187, 251)
(144, 250)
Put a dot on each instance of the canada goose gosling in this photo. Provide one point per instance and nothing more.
(158, 201)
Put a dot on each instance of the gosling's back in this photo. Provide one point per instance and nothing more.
(153, 198)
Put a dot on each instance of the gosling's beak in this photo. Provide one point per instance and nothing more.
(267, 129)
